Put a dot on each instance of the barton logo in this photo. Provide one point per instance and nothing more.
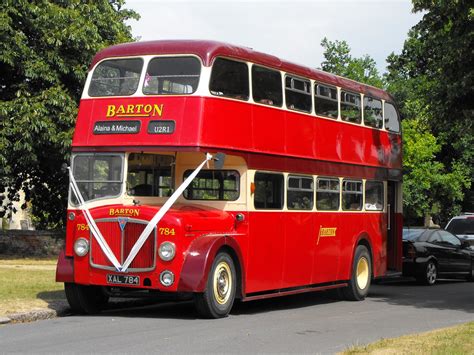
(137, 110)
(122, 221)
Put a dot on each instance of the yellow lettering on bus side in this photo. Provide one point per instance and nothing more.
(130, 109)
(110, 111)
(157, 109)
(139, 108)
(120, 110)
(148, 108)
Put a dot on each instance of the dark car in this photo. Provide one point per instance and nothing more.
(432, 253)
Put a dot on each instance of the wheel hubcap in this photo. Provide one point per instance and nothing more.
(362, 275)
(431, 273)
(222, 282)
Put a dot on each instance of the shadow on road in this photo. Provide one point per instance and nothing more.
(444, 295)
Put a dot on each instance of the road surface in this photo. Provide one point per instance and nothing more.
(314, 323)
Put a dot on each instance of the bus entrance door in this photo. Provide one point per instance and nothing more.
(394, 228)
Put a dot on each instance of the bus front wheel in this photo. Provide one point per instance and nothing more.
(359, 283)
(217, 299)
(85, 299)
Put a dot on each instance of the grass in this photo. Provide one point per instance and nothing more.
(453, 340)
(28, 284)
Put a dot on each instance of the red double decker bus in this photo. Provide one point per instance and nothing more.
(205, 170)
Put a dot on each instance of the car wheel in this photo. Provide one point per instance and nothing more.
(217, 299)
(85, 299)
(430, 274)
(359, 283)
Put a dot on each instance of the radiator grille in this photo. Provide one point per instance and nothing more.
(121, 242)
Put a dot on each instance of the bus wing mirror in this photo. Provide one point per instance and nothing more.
(219, 160)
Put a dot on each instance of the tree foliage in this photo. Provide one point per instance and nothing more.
(45, 48)
(433, 81)
(338, 60)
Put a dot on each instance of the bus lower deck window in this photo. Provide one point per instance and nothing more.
(352, 195)
(268, 191)
(150, 175)
(374, 196)
(327, 194)
(221, 185)
(300, 193)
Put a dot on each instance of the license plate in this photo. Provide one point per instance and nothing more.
(123, 279)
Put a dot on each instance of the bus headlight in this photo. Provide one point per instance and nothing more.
(167, 251)
(81, 247)
(167, 278)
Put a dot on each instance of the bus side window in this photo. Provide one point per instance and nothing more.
(325, 101)
(352, 195)
(350, 107)
(300, 193)
(392, 122)
(266, 86)
(230, 79)
(373, 112)
(268, 191)
(373, 196)
(327, 194)
(298, 94)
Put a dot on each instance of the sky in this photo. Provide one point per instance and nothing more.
(290, 29)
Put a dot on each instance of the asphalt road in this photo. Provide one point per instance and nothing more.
(308, 323)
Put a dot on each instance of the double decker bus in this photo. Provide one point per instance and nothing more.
(214, 172)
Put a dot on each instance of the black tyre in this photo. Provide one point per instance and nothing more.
(359, 283)
(429, 274)
(217, 299)
(85, 299)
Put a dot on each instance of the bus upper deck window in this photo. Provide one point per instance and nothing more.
(350, 107)
(298, 94)
(230, 79)
(373, 112)
(172, 76)
(116, 77)
(325, 101)
(392, 122)
(266, 86)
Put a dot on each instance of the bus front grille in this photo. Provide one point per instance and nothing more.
(121, 241)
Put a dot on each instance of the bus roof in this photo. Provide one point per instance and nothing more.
(209, 50)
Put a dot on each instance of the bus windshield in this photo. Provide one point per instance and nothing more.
(116, 77)
(97, 175)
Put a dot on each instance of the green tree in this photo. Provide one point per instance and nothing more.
(338, 60)
(428, 189)
(45, 48)
(433, 81)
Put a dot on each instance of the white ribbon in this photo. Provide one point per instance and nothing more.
(146, 232)
(154, 221)
(91, 223)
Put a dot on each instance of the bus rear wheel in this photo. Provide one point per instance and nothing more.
(85, 299)
(217, 299)
(359, 283)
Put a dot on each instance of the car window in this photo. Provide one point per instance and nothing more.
(412, 234)
(448, 238)
(435, 238)
(461, 226)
